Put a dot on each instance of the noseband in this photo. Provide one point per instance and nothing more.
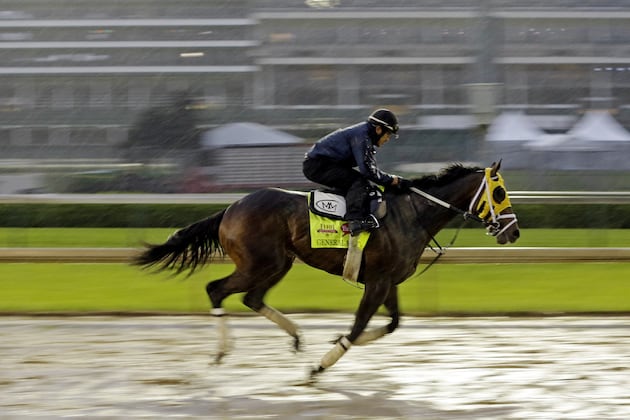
(489, 203)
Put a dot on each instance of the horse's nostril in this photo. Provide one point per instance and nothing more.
(517, 234)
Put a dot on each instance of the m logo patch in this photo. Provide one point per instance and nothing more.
(327, 205)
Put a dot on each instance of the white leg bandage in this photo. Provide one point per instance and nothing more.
(371, 335)
(279, 319)
(330, 358)
(222, 332)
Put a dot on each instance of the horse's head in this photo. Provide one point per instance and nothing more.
(492, 204)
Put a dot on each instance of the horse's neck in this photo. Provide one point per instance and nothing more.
(461, 192)
(458, 194)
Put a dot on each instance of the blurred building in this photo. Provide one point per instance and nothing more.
(74, 74)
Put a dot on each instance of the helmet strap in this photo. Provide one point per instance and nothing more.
(372, 133)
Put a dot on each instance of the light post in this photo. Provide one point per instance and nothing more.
(484, 92)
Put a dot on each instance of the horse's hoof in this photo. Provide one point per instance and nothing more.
(297, 344)
(218, 358)
(314, 373)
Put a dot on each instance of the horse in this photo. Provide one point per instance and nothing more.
(264, 232)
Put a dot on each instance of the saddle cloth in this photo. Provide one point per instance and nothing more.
(328, 229)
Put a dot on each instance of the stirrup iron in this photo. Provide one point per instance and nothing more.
(368, 223)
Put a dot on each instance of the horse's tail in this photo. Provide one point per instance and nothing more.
(185, 249)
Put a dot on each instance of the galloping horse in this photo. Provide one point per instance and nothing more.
(265, 232)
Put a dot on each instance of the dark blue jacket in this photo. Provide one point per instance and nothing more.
(352, 146)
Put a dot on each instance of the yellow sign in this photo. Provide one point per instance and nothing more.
(329, 233)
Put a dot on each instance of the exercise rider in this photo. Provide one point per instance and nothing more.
(332, 161)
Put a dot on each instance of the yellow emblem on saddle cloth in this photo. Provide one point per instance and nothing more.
(330, 233)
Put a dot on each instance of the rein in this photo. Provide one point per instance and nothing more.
(467, 215)
(438, 249)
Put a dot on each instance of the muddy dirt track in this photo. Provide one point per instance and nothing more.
(431, 368)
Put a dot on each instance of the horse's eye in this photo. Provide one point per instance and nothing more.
(498, 195)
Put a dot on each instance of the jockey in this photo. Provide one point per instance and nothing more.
(331, 162)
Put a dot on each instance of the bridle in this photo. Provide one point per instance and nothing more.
(490, 201)
(487, 205)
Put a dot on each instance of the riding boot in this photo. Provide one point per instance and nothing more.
(357, 202)
(357, 226)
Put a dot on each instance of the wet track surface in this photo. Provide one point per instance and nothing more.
(433, 368)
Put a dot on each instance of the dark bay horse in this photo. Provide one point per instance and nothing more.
(264, 232)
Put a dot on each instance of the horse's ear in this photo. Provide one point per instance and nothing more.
(495, 167)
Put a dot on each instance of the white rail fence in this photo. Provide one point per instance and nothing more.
(466, 255)
(453, 255)
(527, 197)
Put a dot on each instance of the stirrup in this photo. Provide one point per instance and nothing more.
(368, 223)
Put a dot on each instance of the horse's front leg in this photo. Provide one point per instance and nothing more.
(391, 304)
(374, 295)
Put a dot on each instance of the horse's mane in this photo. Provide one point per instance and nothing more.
(444, 177)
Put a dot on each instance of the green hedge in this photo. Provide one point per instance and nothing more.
(177, 215)
(593, 216)
(104, 215)
(570, 216)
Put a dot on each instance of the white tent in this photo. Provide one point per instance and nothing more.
(247, 155)
(556, 142)
(513, 127)
(598, 126)
(507, 136)
(246, 134)
(594, 131)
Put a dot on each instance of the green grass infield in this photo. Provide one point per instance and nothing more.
(445, 289)
(133, 237)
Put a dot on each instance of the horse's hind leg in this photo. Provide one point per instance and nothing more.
(254, 300)
(256, 280)
(217, 291)
(222, 333)
(283, 322)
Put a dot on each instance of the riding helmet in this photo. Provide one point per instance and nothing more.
(385, 118)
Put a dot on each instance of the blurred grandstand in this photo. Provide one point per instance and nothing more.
(75, 76)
